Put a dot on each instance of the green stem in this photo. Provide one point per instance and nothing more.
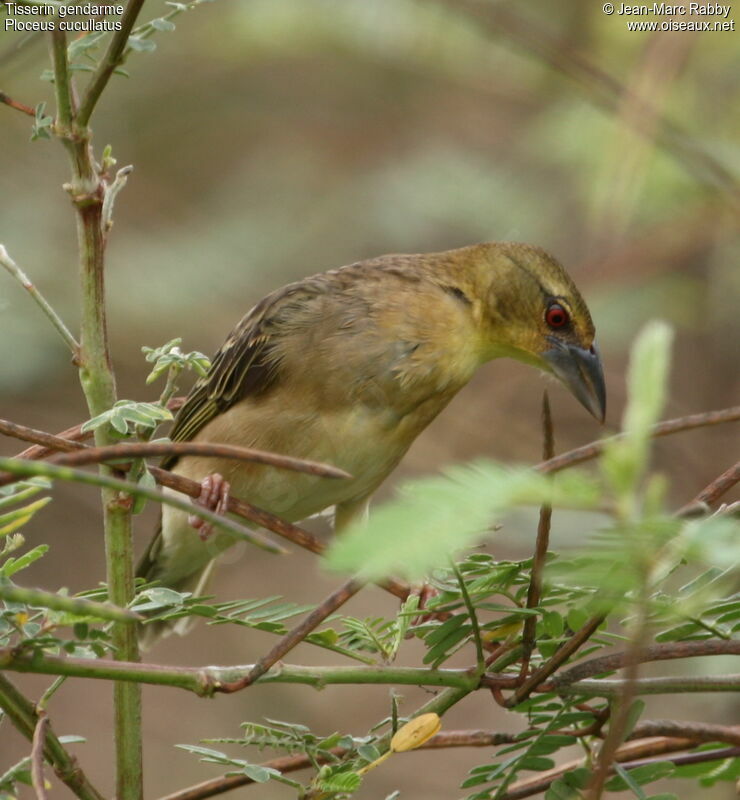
(207, 680)
(87, 190)
(62, 81)
(23, 715)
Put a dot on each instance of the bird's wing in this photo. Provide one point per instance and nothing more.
(245, 365)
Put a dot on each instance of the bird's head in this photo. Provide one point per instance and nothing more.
(531, 310)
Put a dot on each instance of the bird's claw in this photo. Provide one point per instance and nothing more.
(425, 592)
(214, 495)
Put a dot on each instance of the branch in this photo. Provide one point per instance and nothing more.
(334, 601)
(34, 468)
(205, 681)
(711, 493)
(697, 731)
(593, 450)
(37, 756)
(656, 652)
(8, 101)
(534, 591)
(23, 715)
(109, 62)
(561, 655)
(540, 783)
(41, 301)
(117, 452)
(226, 783)
(62, 82)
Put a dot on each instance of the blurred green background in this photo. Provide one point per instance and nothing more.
(276, 138)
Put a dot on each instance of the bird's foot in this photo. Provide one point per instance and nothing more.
(214, 495)
(425, 592)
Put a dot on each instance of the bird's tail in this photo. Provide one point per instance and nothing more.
(150, 569)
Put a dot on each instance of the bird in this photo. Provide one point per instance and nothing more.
(348, 367)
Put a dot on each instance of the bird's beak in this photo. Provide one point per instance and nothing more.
(580, 370)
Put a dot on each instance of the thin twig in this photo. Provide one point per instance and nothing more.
(588, 452)
(709, 495)
(40, 300)
(18, 106)
(689, 758)
(534, 591)
(698, 731)
(298, 634)
(541, 782)
(561, 655)
(97, 455)
(656, 652)
(226, 783)
(109, 62)
(37, 756)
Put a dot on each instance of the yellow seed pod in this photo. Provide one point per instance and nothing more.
(415, 732)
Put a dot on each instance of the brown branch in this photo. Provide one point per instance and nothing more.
(298, 634)
(561, 655)
(689, 758)
(698, 731)
(96, 455)
(534, 591)
(18, 106)
(541, 782)
(656, 652)
(116, 452)
(593, 450)
(37, 756)
(709, 495)
(225, 783)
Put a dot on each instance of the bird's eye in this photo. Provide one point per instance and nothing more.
(556, 316)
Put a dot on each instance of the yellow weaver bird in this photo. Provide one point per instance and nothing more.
(349, 366)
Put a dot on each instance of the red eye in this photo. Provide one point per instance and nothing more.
(556, 316)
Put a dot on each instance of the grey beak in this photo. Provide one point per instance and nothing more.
(580, 370)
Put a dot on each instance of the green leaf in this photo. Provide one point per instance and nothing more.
(13, 565)
(141, 45)
(633, 715)
(162, 24)
(641, 775)
(259, 774)
(436, 517)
